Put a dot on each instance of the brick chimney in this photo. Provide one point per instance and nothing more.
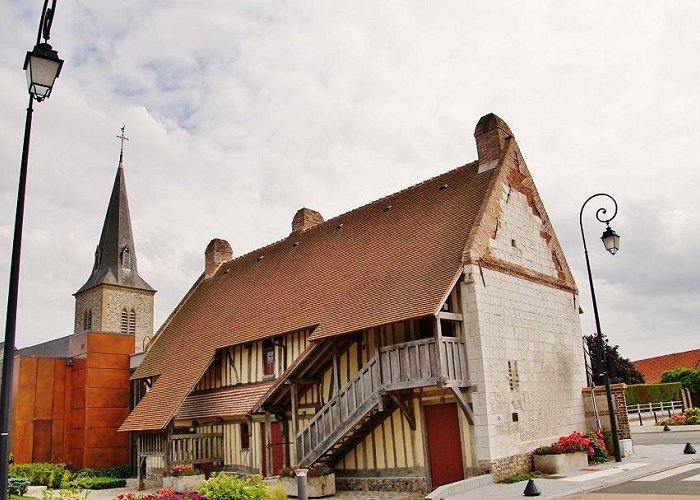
(304, 219)
(491, 133)
(217, 252)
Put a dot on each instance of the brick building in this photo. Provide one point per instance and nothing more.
(71, 394)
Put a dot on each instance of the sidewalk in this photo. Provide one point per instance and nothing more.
(646, 460)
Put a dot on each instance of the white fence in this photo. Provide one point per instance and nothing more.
(662, 410)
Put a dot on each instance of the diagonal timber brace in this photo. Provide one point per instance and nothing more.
(406, 408)
(463, 403)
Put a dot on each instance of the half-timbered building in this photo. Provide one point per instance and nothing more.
(412, 342)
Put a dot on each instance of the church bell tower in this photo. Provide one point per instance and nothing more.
(115, 298)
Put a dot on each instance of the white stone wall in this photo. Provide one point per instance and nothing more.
(90, 299)
(518, 239)
(115, 299)
(513, 319)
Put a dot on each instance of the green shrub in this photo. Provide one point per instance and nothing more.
(228, 487)
(522, 476)
(688, 377)
(277, 492)
(65, 494)
(653, 393)
(120, 471)
(17, 485)
(98, 483)
(41, 474)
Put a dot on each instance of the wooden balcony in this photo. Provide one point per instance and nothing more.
(182, 448)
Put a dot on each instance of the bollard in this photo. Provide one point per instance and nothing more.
(656, 420)
(689, 449)
(640, 417)
(301, 484)
(666, 428)
(531, 490)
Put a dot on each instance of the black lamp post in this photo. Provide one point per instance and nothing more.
(42, 65)
(611, 241)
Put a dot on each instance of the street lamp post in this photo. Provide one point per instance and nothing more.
(43, 66)
(611, 241)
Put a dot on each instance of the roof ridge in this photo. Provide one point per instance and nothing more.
(345, 214)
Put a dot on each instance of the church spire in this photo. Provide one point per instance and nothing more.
(115, 256)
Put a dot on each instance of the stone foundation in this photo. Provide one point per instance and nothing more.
(406, 484)
(501, 468)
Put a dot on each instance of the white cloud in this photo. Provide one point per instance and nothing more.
(240, 113)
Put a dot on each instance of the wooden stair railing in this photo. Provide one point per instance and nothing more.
(360, 405)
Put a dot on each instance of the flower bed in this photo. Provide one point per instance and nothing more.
(183, 478)
(571, 452)
(691, 416)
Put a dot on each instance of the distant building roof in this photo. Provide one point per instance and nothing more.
(652, 368)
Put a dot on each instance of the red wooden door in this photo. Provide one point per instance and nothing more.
(444, 444)
(276, 447)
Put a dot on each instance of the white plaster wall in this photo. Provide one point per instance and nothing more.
(510, 318)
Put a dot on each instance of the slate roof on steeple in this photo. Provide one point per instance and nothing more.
(115, 256)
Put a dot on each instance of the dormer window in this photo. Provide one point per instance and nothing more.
(126, 259)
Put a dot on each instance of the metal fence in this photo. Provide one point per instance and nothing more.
(655, 410)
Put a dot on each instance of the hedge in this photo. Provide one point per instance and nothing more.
(653, 393)
(98, 483)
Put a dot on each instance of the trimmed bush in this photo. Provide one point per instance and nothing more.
(653, 393)
(228, 487)
(121, 472)
(41, 474)
(98, 483)
(17, 485)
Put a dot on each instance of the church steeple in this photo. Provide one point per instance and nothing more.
(115, 298)
(115, 256)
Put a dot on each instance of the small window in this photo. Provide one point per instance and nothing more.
(87, 319)
(126, 259)
(132, 322)
(245, 436)
(269, 360)
(125, 321)
(513, 377)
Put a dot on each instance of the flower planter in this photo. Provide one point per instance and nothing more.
(560, 464)
(316, 487)
(183, 484)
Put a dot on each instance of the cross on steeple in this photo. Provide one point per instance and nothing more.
(121, 151)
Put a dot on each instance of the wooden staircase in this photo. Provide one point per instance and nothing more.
(362, 404)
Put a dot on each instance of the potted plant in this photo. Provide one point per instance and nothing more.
(183, 478)
(320, 481)
(570, 453)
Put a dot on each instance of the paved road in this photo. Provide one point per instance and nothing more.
(676, 483)
(669, 437)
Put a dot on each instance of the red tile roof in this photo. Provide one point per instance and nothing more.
(233, 402)
(392, 260)
(652, 368)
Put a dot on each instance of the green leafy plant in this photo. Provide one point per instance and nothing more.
(41, 474)
(652, 393)
(64, 494)
(688, 377)
(229, 487)
(522, 476)
(277, 493)
(98, 483)
(120, 471)
(17, 485)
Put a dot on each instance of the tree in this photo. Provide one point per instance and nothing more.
(689, 378)
(621, 369)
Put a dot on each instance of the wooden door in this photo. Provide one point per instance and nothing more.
(276, 448)
(444, 444)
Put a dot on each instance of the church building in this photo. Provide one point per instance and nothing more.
(71, 394)
(428, 336)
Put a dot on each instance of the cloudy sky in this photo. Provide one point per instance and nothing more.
(239, 113)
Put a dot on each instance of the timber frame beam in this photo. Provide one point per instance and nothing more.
(406, 408)
(463, 403)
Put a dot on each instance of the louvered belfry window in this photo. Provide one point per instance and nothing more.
(128, 324)
(132, 322)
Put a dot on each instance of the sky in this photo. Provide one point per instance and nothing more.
(240, 113)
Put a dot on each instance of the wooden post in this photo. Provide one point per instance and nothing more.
(295, 422)
(168, 445)
(377, 354)
(336, 370)
(438, 350)
(139, 476)
(268, 448)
